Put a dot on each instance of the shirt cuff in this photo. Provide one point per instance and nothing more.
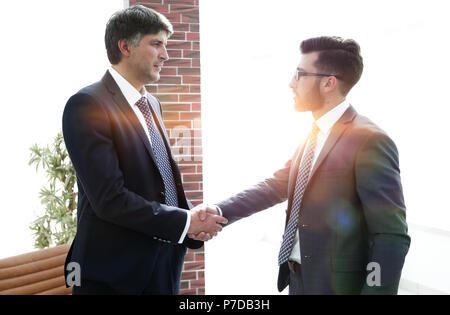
(219, 210)
(186, 228)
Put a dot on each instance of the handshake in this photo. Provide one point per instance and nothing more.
(205, 222)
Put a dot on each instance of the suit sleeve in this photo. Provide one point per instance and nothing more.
(380, 191)
(89, 141)
(258, 197)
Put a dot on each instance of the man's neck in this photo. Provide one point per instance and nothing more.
(122, 70)
(328, 105)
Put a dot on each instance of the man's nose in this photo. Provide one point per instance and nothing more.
(164, 55)
(293, 83)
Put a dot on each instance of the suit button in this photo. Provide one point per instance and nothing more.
(306, 256)
(305, 225)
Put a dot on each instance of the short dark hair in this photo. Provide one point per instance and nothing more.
(336, 56)
(131, 24)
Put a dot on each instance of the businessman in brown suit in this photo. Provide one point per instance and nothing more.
(346, 230)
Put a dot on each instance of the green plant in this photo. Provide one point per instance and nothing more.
(58, 224)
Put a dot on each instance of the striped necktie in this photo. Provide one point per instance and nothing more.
(160, 152)
(300, 185)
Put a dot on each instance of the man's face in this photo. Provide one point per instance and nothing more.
(307, 89)
(147, 58)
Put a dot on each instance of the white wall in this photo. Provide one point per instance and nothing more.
(249, 53)
(50, 50)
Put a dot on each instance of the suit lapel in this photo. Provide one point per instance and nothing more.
(159, 121)
(336, 132)
(128, 112)
(154, 103)
(156, 112)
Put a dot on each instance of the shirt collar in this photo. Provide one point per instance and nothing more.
(131, 94)
(326, 122)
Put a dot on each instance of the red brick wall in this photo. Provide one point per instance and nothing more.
(179, 92)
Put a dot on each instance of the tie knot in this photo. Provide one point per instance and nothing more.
(142, 103)
(315, 130)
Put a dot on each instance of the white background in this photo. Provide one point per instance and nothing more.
(249, 53)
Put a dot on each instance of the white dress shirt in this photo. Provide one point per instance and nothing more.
(325, 124)
(132, 96)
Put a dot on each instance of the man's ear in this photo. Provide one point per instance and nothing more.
(124, 47)
(330, 83)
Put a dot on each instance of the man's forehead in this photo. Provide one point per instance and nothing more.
(308, 60)
(161, 36)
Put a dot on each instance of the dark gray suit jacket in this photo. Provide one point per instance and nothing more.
(352, 212)
(127, 237)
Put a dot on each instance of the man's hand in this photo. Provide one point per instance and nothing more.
(205, 221)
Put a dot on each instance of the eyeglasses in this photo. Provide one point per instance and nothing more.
(299, 73)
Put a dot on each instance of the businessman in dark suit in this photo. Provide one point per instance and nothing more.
(133, 215)
(346, 230)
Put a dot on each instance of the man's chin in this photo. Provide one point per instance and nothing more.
(300, 108)
(152, 78)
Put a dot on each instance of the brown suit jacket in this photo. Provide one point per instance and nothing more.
(352, 212)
